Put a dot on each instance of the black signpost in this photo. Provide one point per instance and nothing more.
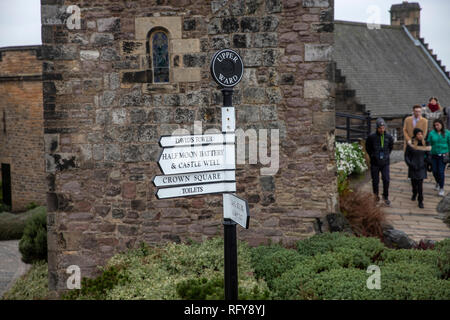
(216, 174)
(227, 69)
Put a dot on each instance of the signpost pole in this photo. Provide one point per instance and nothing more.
(230, 252)
(229, 230)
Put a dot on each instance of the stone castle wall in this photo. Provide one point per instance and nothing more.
(21, 124)
(104, 116)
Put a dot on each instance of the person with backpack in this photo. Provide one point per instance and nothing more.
(417, 156)
(379, 146)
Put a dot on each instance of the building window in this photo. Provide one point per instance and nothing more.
(159, 44)
(4, 121)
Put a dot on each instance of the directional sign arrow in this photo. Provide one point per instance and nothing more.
(194, 190)
(194, 178)
(236, 209)
(179, 141)
(189, 159)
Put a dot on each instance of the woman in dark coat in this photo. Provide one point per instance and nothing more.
(417, 156)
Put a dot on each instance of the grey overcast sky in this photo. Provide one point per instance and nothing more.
(20, 22)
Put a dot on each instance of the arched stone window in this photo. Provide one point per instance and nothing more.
(159, 56)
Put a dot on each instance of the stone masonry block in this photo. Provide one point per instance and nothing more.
(132, 47)
(145, 24)
(185, 46)
(316, 3)
(316, 89)
(318, 52)
(187, 75)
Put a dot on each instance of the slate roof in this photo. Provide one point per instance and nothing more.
(388, 71)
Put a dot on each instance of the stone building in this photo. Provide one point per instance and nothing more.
(136, 70)
(21, 127)
(387, 70)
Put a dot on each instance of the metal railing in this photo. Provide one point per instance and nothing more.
(363, 130)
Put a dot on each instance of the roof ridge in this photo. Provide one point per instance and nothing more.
(360, 24)
(434, 56)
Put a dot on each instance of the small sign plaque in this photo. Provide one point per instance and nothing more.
(227, 68)
(236, 209)
(189, 159)
(186, 191)
(194, 178)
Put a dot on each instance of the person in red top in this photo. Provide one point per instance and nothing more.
(433, 104)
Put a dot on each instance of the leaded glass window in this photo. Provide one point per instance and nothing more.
(160, 57)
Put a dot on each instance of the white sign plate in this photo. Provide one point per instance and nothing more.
(197, 159)
(194, 178)
(180, 141)
(236, 209)
(194, 190)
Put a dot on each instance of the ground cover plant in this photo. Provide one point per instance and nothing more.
(325, 266)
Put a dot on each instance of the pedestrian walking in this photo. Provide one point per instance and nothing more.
(417, 156)
(414, 121)
(439, 140)
(379, 146)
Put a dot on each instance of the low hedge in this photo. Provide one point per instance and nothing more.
(336, 269)
(326, 266)
(13, 224)
(167, 272)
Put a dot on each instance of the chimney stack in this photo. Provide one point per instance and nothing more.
(407, 14)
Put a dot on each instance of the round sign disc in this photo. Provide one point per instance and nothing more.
(227, 68)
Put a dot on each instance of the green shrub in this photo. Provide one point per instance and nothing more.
(155, 272)
(98, 288)
(443, 261)
(412, 281)
(338, 284)
(201, 289)
(13, 224)
(33, 285)
(413, 256)
(213, 289)
(31, 206)
(271, 262)
(33, 245)
(329, 242)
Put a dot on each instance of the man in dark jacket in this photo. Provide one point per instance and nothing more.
(379, 146)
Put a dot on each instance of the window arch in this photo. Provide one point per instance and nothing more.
(159, 56)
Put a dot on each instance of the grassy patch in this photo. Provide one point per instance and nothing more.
(31, 286)
(13, 224)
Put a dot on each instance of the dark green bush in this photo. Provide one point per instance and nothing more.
(443, 247)
(412, 281)
(33, 245)
(335, 268)
(340, 284)
(213, 289)
(31, 206)
(13, 224)
(329, 242)
(97, 288)
(409, 256)
(270, 262)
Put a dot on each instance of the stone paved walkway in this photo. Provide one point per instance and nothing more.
(11, 267)
(405, 215)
